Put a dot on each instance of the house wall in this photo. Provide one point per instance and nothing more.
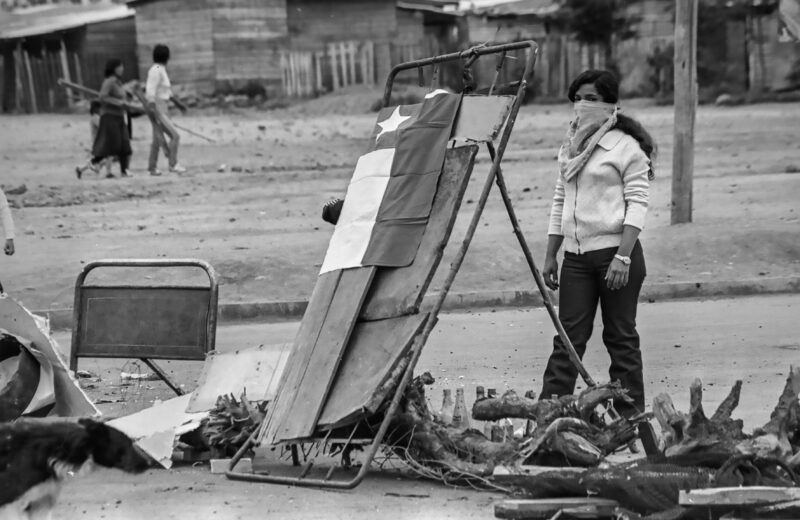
(313, 23)
(483, 29)
(186, 26)
(248, 36)
(105, 41)
(654, 32)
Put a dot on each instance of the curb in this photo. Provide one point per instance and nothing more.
(61, 319)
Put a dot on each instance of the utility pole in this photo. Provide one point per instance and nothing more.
(685, 108)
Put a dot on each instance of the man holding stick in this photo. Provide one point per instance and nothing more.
(158, 93)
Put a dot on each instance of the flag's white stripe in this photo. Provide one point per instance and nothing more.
(361, 204)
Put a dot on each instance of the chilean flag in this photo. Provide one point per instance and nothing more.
(389, 198)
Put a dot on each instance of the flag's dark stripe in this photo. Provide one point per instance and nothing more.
(406, 204)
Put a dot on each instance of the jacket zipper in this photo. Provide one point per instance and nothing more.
(575, 216)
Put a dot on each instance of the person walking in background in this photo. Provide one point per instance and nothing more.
(8, 228)
(158, 92)
(598, 211)
(94, 126)
(112, 138)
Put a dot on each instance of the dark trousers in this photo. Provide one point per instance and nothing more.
(583, 284)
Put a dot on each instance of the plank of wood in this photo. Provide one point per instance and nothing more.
(581, 507)
(738, 496)
(399, 291)
(481, 118)
(375, 349)
(29, 76)
(302, 349)
(318, 374)
(257, 371)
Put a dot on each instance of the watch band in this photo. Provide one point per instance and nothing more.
(624, 259)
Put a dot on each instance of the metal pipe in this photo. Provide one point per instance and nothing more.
(474, 51)
(537, 276)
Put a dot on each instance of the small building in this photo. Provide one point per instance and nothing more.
(216, 46)
(294, 47)
(45, 43)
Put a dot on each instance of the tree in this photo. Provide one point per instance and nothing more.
(598, 22)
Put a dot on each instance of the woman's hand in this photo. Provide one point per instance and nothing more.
(550, 272)
(9, 248)
(617, 275)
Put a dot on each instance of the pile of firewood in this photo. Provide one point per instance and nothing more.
(569, 431)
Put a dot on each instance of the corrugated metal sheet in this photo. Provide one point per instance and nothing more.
(541, 8)
(58, 18)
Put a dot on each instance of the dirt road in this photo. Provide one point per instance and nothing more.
(258, 221)
(753, 339)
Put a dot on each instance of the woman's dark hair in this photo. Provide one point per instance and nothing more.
(608, 88)
(161, 54)
(111, 66)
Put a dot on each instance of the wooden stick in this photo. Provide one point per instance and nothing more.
(685, 106)
(188, 131)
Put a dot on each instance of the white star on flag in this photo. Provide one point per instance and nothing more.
(392, 123)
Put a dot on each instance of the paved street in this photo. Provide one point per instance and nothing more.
(753, 339)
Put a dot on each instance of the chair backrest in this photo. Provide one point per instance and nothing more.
(143, 321)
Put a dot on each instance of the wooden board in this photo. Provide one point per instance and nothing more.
(302, 348)
(255, 370)
(375, 349)
(325, 349)
(399, 291)
(546, 508)
(738, 496)
(481, 117)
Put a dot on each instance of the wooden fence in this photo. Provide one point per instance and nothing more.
(36, 75)
(341, 64)
(308, 73)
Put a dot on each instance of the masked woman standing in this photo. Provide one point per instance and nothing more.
(598, 211)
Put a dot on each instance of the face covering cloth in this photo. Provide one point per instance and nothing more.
(593, 119)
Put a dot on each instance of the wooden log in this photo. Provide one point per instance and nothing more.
(729, 404)
(576, 448)
(510, 404)
(696, 413)
(786, 415)
(544, 411)
(673, 423)
(738, 496)
(541, 481)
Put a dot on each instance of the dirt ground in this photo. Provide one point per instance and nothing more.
(250, 203)
(753, 339)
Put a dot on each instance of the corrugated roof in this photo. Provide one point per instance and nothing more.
(433, 6)
(35, 22)
(541, 8)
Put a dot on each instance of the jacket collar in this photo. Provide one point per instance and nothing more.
(611, 139)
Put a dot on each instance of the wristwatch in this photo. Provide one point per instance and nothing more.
(624, 259)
